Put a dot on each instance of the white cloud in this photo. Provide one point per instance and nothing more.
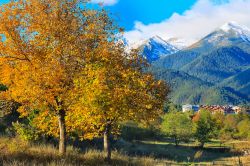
(204, 17)
(105, 2)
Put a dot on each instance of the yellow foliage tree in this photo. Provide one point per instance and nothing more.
(115, 90)
(44, 46)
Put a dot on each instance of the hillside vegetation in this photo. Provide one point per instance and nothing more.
(215, 70)
(191, 89)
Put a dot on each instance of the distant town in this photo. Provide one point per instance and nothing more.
(230, 109)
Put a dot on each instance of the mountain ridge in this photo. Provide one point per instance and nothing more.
(155, 48)
(220, 59)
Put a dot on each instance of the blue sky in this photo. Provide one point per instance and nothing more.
(188, 20)
(3, 1)
(147, 11)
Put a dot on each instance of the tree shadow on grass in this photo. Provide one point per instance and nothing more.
(162, 151)
(181, 153)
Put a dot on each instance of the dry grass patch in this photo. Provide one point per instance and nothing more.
(16, 153)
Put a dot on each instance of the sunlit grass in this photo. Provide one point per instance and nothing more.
(15, 152)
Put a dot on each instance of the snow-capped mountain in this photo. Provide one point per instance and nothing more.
(229, 34)
(215, 69)
(155, 48)
(240, 30)
(180, 43)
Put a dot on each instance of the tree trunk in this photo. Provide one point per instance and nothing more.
(106, 143)
(202, 145)
(62, 128)
(176, 141)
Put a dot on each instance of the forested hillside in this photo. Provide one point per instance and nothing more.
(190, 89)
(215, 70)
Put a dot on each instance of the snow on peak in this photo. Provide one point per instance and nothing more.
(155, 48)
(242, 31)
(158, 40)
(153, 40)
(174, 43)
(228, 30)
(235, 27)
(180, 43)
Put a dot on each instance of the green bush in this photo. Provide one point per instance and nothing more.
(25, 132)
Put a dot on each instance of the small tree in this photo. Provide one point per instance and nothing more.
(244, 129)
(178, 126)
(230, 126)
(219, 123)
(205, 127)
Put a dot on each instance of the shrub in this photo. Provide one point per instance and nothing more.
(25, 132)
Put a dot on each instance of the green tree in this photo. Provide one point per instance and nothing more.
(219, 123)
(244, 129)
(205, 127)
(178, 126)
(171, 107)
(230, 126)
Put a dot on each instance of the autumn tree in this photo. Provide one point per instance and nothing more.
(116, 90)
(44, 46)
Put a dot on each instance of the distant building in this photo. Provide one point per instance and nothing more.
(189, 107)
(237, 109)
(213, 108)
(222, 109)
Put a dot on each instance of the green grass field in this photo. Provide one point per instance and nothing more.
(143, 153)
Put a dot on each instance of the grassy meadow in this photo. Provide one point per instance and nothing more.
(15, 152)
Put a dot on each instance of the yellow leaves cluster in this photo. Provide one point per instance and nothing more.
(57, 57)
(44, 47)
(115, 90)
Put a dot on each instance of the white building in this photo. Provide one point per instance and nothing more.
(237, 109)
(189, 107)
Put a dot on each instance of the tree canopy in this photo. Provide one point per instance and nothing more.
(205, 127)
(65, 60)
(178, 126)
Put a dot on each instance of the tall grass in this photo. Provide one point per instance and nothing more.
(15, 152)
